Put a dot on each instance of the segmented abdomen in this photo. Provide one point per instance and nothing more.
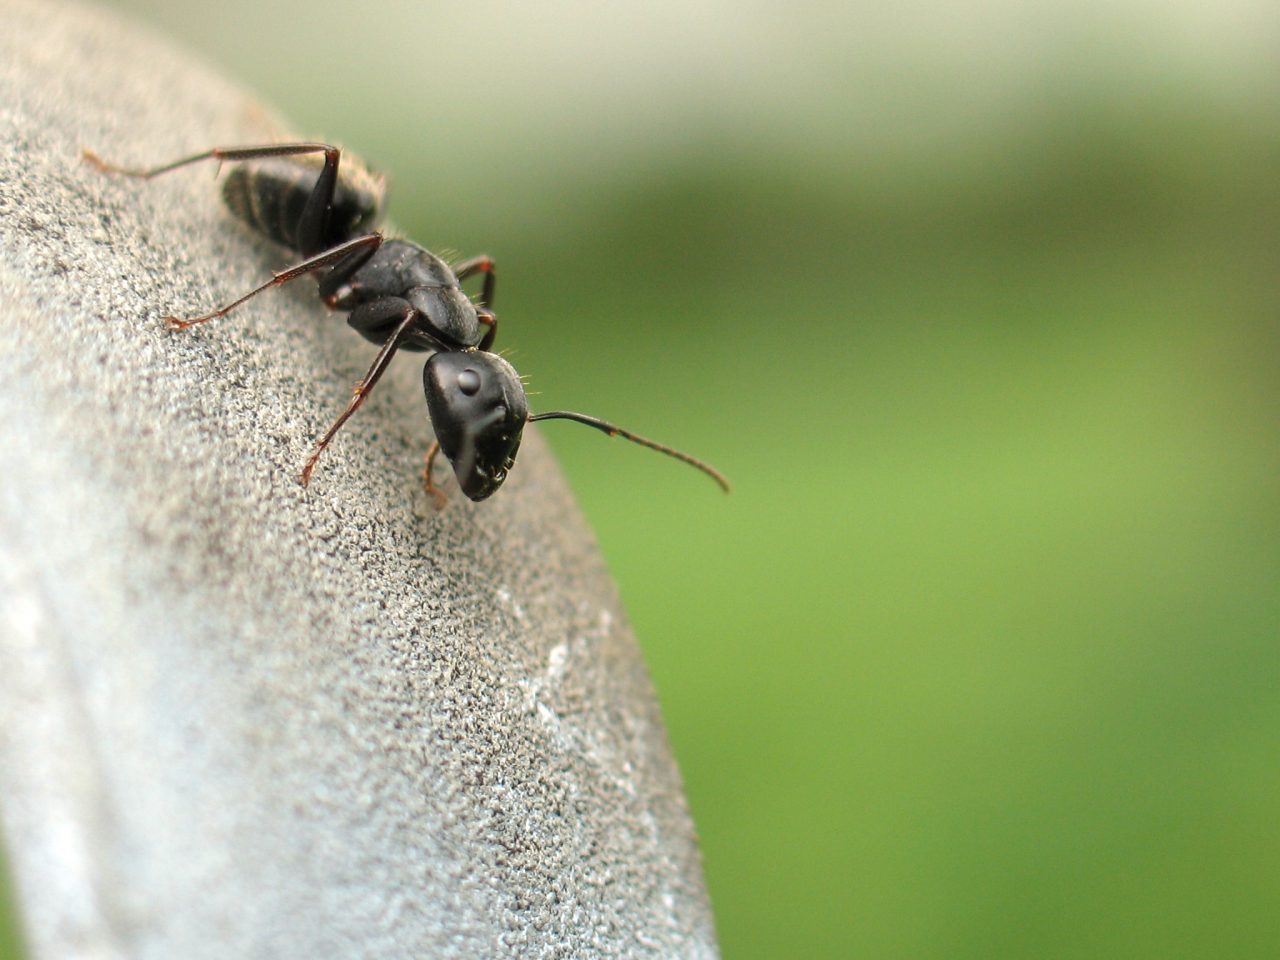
(270, 195)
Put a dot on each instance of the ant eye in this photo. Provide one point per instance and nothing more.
(469, 382)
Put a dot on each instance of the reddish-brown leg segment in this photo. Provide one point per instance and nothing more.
(313, 223)
(481, 264)
(367, 244)
(437, 494)
(362, 388)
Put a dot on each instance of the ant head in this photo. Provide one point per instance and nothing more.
(478, 410)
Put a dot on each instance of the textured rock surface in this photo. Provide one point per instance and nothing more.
(243, 719)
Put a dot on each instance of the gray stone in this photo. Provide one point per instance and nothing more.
(239, 718)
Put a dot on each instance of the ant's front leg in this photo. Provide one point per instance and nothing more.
(347, 258)
(437, 494)
(378, 313)
(313, 223)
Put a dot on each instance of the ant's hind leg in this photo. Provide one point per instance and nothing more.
(348, 256)
(313, 224)
(221, 154)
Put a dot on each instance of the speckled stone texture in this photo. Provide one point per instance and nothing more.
(243, 719)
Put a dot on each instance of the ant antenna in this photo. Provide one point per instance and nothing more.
(615, 431)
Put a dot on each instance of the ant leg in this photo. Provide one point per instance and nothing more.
(378, 319)
(362, 389)
(490, 321)
(313, 224)
(481, 264)
(333, 281)
(220, 154)
(349, 256)
(437, 494)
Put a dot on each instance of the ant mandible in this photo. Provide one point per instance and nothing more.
(396, 294)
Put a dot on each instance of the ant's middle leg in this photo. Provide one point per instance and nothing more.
(345, 257)
(490, 321)
(313, 224)
(482, 264)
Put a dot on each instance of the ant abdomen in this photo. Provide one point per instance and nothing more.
(270, 195)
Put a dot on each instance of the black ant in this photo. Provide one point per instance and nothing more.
(396, 294)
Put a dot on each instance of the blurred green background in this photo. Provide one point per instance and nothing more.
(977, 305)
